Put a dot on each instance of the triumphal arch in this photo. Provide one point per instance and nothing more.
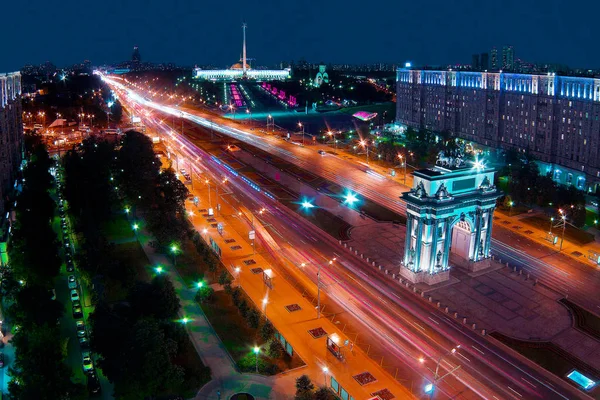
(450, 210)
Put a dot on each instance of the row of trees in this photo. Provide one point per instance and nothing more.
(138, 340)
(39, 370)
(305, 390)
(526, 185)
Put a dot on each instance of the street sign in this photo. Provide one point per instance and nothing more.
(219, 207)
(211, 212)
(196, 200)
(220, 228)
(251, 235)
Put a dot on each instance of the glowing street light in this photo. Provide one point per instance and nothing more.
(325, 370)
(135, 227)
(350, 198)
(159, 269)
(174, 250)
(256, 351)
(307, 205)
(200, 284)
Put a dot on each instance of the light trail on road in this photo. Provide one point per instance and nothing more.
(389, 319)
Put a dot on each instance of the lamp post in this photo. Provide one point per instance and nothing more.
(403, 166)
(301, 125)
(325, 370)
(237, 271)
(365, 144)
(511, 204)
(430, 387)
(265, 301)
(256, 350)
(319, 284)
(174, 251)
(270, 121)
(109, 104)
(208, 184)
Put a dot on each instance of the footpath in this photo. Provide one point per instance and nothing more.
(350, 373)
(586, 253)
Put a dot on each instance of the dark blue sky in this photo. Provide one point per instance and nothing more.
(353, 31)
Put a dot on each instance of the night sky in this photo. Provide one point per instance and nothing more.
(351, 31)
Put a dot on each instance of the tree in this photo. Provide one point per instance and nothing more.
(146, 367)
(304, 385)
(324, 393)
(39, 371)
(34, 306)
(275, 349)
(243, 307)
(204, 294)
(224, 277)
(157, 298)
(236, 296)
(267, 331)
(253, 318)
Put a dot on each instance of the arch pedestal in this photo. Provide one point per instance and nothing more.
(449, 222)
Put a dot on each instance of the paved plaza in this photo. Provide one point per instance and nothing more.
(496, 299)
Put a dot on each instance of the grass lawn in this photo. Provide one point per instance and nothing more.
(118, 229)
(591, 218)
(239, 338)
(571, 234)
(190, 265)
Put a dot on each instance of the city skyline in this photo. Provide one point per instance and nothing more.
(107, 33)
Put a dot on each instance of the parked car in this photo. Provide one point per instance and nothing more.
(88, 365)
(76, 303)
(70, 267)
(322, 152)
(80, 326)
(74, 294)
(84, 343)
(72, 282)
(93, 384)
(77, 313)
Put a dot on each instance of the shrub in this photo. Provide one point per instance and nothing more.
(275, 349)
(253, 318)
(267, 331)
(204, 294)
(243, 307)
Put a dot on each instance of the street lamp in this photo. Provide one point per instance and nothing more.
(159, 269)
(319, 266)
(301, 125)
(174, 251)
(256, 350)
(403, 165)
(265, 301)
(511, 204)
(429, 388)
(237, 271)
(365, 144)
(208, 184)
(307, 205)
(325, 370)
(270, 121)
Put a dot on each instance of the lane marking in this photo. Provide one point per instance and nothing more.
(526, 381)
(473, 346)
(519, 394)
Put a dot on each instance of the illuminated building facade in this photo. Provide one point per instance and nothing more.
(556, 118)
(242, 70)
(11, 134)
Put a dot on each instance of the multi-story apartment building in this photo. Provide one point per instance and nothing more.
(11, 134)
(556, 118)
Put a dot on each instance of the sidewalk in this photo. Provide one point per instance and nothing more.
(573, 250)
(225, 378)
(293, 315)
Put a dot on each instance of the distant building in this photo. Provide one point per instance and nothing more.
(11, 135)
(494, 59)
(556, 118)
(508, 58)
(484, 62)
(475, 62)
(242, 70)
(136, 57)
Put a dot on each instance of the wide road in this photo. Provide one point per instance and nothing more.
(413, 330)
(580, 281)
